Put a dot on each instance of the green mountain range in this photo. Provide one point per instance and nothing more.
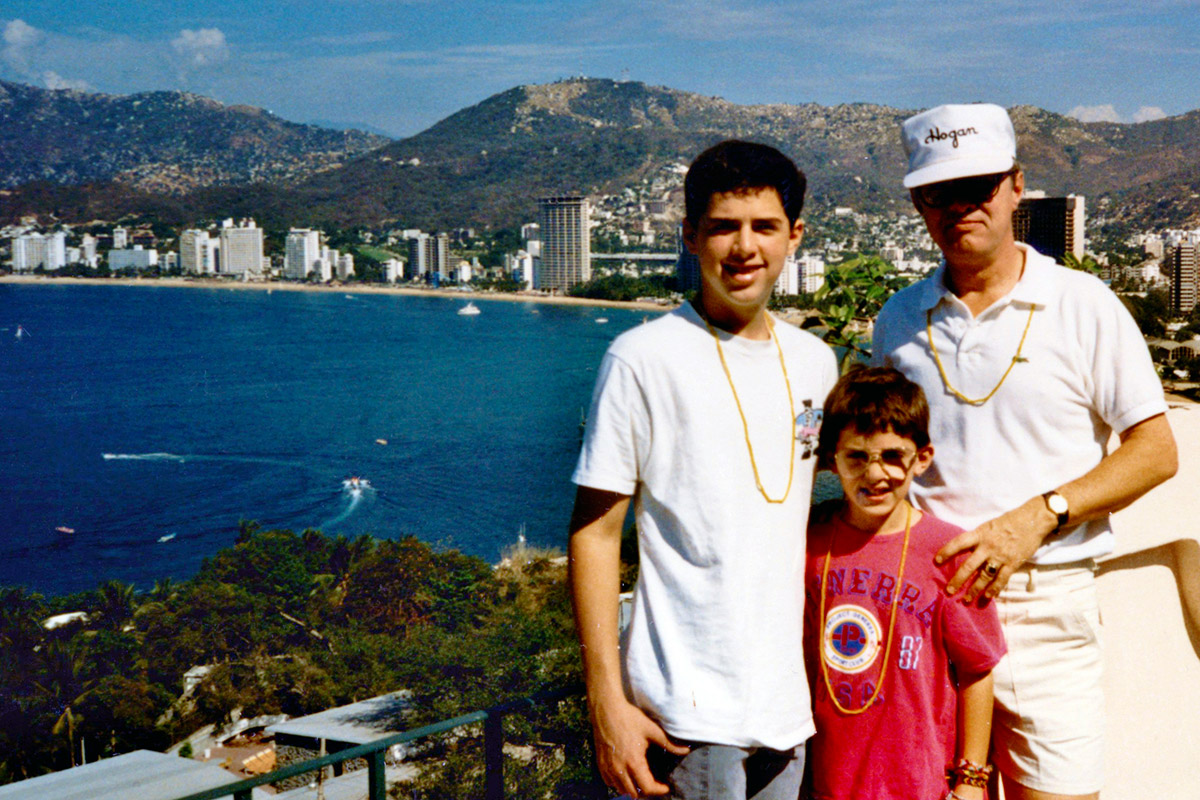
(485, 165)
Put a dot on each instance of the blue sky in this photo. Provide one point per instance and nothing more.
(401, 66)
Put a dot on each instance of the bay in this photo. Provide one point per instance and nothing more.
(150, 420)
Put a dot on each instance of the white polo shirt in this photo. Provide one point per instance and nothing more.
(1085, 372)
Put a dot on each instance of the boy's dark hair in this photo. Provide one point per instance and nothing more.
(737, 166)
(873, 400)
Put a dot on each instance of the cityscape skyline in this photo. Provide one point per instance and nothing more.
(413, 63)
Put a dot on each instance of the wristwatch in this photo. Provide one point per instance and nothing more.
(1059, 507)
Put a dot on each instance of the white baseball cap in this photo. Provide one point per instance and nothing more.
(958, 141)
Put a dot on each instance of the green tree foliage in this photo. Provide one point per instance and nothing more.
(623, 287)
(1150, 312)
(294, 624)
(853, 293)
(1086, 264)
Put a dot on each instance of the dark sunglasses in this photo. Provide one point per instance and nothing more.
(974, 191)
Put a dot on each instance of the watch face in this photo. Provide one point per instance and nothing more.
(1057, 503)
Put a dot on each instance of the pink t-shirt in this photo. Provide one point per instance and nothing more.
(903, 744)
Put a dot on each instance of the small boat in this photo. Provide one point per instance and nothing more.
(469, 310)
(64, 529)
(381, 441)
(601, 320)
(168, 537)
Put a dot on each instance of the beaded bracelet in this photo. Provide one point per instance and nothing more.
(972, 774)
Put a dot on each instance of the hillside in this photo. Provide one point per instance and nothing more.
(485, 165)
(161, 142)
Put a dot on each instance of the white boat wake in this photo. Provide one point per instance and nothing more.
(354, 490)
(145, 457)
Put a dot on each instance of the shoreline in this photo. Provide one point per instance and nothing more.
(347, 288)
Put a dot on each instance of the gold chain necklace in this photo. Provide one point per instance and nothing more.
(887, 651)
(742, 414)
(942, 370)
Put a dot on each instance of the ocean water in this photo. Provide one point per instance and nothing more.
(149, 420)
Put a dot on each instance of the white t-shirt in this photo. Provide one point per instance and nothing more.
(713, 648)
(1085, 372)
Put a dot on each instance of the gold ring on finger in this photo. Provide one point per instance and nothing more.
(990, 569)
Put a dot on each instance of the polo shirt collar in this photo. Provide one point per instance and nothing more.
(1035, 286)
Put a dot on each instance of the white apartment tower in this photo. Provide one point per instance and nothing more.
(302, 251)
(33, 250)
(428, 255)
(241, 248)
(565, 222)
(120, 238)
(87, 250)
(789, 281)
(812, 273)
(196, 252)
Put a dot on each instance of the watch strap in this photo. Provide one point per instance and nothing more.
(1063, 515)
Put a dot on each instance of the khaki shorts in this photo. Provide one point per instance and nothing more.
(1048, 726)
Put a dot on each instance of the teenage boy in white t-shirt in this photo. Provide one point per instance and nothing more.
(707, 418)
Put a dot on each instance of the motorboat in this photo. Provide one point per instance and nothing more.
(469, 310)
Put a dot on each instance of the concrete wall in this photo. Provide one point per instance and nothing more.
(1150, 606)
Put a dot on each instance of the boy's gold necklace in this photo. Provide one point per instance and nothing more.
(977, 401)
(742, 414)
(887, 651)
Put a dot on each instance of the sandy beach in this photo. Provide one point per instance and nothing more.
(347, 288)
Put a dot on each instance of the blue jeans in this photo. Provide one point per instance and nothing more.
(725, 772)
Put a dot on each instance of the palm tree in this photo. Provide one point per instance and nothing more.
(117, 602)
(65, 684)
(1085, 264)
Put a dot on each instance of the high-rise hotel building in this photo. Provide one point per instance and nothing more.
(565, 228)
(301, 251)
(1051, 225)
(241, 248)
(33, 250)
(1181, 267)
(197, 252)
(428, 256)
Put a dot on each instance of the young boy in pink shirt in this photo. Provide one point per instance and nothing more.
(901, 673)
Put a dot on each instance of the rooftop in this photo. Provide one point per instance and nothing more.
(357, 723)
(141, 774)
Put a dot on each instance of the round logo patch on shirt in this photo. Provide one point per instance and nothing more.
(852, 638)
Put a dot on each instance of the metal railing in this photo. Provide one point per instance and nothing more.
(373, 752)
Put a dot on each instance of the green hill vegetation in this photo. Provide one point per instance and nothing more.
(294, 624)
(485, 165)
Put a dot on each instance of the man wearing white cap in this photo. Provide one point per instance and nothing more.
(1028, 367)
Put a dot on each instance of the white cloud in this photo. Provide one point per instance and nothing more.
(201, 48)
(1148, 114)
(1104, 113)
(1108, 113)
(20, 39)
(55, 81)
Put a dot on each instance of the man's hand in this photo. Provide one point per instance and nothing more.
(999, 548)
(623, 734)
(1146, 457)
